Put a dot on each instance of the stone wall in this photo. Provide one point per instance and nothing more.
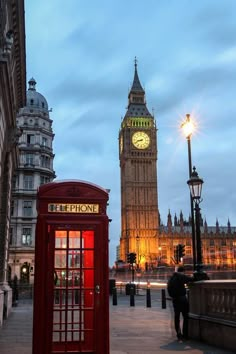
(213, 312)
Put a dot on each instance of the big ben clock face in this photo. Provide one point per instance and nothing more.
(141, 140)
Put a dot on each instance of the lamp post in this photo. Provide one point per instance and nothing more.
(188, 127)
(195, 184)
(159, 255)
(137, 242)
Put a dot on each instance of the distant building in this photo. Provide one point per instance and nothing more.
(35, 168)
(12, 97)
(218, 242)
(141, 229)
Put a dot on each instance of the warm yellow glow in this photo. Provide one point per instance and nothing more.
(188, 126)
(143, 283)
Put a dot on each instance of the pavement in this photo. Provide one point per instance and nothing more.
(133, 330)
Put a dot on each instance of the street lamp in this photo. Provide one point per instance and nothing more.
(188, 127)
(195, 185)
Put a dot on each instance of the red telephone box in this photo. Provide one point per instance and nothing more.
(71, 292)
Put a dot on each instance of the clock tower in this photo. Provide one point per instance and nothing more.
(138, 170)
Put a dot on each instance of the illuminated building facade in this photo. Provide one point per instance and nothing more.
(138, 171)
(218, 243)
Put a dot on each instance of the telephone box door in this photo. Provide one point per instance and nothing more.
(74, 290)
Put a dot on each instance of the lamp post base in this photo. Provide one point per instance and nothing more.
(200, 275)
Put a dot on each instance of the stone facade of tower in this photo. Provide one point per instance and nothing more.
(12, 97)
(35, 168)
(138, 170)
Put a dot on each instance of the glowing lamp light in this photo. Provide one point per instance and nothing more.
(188, 126)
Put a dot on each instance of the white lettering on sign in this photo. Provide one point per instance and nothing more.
(73, 208)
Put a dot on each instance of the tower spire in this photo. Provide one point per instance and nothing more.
(136, 87)
(136, 96)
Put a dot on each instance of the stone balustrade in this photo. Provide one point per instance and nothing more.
(212, 317)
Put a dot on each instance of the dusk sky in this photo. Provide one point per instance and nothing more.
(81, 54)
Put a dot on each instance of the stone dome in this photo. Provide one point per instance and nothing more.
(34, 99)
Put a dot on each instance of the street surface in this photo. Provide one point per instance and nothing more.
(133, 330)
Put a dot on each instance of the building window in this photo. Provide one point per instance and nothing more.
(212, 243)
(44, 141)
(223, 242)
(28, 181)
(163, 254)
(10, 235)
(29, 159)
(45, 161)
(188, 243)
(224, 254)
(27, 208)
(15, 182)
(26, 239)
(12, 207)
(30, 139)
(212, 254)
(44, 179)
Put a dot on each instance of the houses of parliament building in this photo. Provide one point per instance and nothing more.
(142, 232)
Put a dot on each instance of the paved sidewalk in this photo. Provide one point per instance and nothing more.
(133, 330)
(142, 330)
(16, 333)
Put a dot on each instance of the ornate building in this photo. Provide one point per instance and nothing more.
(35, 168)
(218, 243)
(141, 230)
(12, 97)
(138, 170)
